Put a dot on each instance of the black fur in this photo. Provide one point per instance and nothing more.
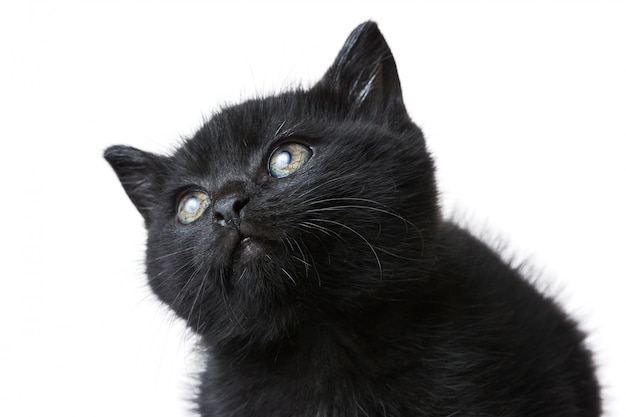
(353, 296)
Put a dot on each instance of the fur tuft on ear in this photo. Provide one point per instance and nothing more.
(138, 171)
(366, 71)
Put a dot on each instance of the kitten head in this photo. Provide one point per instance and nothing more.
(293, 208)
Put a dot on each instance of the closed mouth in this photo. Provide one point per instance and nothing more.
(247, 249)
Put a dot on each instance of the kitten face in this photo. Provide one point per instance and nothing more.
(290, 208)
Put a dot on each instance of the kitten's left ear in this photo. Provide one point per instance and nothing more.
(140, 173)
(366, 71)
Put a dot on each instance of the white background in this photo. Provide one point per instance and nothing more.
(523, 105)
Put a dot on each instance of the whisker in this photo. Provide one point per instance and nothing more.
(175, 253)
(313, 189)
(243, 274)
(302, 250)
(321, 228)
(382, 208)
(164, 281)
(380, 268)
(277, 133)
(231, 313)
(184, 288)
(197, 296)
(289, 276)
(355, 206)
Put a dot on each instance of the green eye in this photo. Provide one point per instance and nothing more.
(191, 206)
(288, 158)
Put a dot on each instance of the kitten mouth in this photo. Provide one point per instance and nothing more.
(247, 249)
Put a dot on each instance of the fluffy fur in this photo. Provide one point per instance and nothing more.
(339, 290)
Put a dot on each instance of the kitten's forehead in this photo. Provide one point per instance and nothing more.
(242, 135)
(235, 137)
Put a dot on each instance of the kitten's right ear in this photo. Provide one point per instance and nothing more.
(139, 172)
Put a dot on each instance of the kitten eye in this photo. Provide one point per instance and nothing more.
(288, 158)
(191, 206)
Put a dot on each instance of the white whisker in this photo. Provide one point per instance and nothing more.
(289, 276)
(380, 268)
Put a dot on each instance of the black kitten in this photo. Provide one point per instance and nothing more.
(300, 236)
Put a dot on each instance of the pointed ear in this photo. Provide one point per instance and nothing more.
(366, 71)
(139, 172)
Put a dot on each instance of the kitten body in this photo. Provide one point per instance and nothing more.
(300, 237)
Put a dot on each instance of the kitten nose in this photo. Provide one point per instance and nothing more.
(227, 209)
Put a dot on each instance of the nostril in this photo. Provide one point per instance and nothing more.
(239, 204)
(229, 208)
